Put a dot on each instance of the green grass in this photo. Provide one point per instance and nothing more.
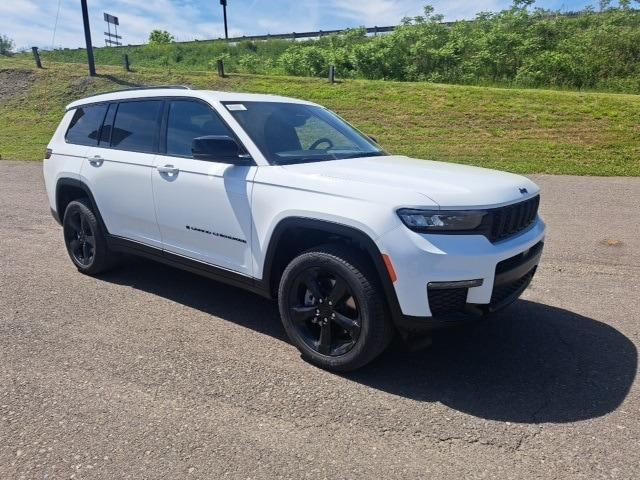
(524, 131)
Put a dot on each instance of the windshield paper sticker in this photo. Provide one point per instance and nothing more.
(234, 107)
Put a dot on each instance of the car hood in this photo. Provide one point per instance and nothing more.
(449, 185)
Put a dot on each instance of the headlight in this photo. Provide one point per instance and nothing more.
(441, 220)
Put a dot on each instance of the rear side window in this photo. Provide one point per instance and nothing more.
(188, 120)
(136, 126)
(85, 125)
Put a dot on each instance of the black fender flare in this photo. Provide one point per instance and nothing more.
(353, 233)
(73, 182)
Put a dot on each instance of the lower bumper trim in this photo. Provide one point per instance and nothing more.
(456, 284)
(512, 278)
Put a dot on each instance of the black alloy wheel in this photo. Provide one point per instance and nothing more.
(81, 238)
(85, 240)
(324, 311)
(333, 308)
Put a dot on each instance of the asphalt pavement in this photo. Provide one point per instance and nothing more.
(151, 372)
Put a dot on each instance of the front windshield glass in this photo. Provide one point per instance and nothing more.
(289, 133)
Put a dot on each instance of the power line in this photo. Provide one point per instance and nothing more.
(55, 26)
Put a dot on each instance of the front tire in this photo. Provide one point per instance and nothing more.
(333, 309)
(85, 241)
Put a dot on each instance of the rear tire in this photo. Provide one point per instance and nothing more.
(85, 240)
(333, 308)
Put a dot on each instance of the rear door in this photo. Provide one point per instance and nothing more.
(203, 207)
(82, 134)
(118, 169)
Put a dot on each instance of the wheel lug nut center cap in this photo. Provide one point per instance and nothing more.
(325, 311)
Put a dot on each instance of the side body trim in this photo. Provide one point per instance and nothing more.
(222, 275)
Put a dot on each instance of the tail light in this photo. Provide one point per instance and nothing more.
(47, 153)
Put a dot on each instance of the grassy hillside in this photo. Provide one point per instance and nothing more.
(526, 131)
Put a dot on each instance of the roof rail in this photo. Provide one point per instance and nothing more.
(148, 87)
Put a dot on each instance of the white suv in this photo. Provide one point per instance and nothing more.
(282, 197)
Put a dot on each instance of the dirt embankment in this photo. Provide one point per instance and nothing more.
(14, 82)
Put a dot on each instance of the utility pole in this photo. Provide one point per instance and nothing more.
(224, 12)
(87, 38)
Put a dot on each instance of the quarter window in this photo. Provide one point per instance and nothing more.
(136, 125)
(85, 125)
(188, 120)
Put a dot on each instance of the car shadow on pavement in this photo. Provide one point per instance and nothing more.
(531, 363)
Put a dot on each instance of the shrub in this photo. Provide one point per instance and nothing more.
(160, 37)
(6, 45)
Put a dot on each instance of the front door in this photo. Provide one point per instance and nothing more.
(203, 207)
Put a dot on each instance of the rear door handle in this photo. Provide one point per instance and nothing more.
(168, 169)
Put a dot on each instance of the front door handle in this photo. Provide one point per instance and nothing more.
(168, 169)
(96, 160)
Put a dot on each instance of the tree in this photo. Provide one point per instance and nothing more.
(604, 5)
(160, 37)
(523, 3)
(6, 45)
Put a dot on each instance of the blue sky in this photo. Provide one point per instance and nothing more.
(30, 22)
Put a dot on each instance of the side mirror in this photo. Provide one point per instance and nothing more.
(219, 148)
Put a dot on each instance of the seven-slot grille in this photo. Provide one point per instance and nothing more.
(511, 219)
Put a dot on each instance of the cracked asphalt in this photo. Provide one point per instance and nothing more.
(150, 372)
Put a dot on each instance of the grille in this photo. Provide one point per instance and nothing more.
(503, 292)
(446, 300)
(511, 219)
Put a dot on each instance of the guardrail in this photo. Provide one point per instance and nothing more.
(318, 33)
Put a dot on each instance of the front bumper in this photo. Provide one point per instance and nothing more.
(504, 268)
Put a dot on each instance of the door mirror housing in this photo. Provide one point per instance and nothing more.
(219, 148)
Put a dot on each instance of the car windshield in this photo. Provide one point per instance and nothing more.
(288, 133)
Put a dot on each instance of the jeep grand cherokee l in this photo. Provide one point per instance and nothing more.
(284, 198)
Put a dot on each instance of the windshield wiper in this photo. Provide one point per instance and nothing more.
(364, 154)
(294, 160)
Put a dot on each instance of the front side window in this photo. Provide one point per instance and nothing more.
(85, 125)
(289, 133)
(188, 120)
(136, 125)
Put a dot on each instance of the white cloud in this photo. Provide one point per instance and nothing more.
(374, 12)
(390, 12)
(18, 7)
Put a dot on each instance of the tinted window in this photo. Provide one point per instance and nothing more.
(85, 125)
(188, 120)
(136, 125)
(105, 133)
